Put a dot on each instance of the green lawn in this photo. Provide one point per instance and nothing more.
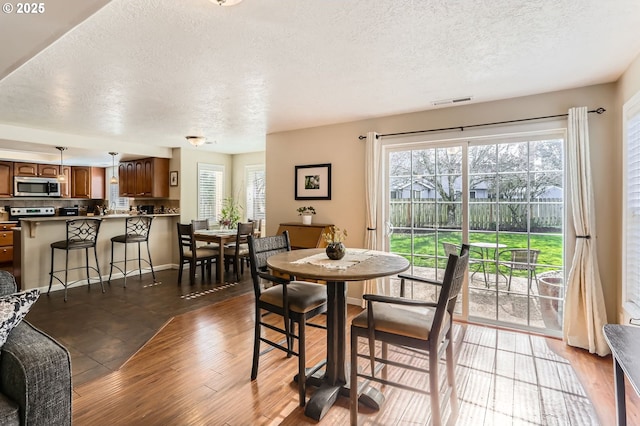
(550, 245)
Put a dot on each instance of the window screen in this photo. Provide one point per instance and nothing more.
(255, 178)
(631, 212)
(210, 191)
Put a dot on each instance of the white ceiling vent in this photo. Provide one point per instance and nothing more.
(452, 101)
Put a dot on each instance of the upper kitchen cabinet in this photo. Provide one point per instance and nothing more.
(87, 182)
(35, 169)
(146, 177)
(6, 178)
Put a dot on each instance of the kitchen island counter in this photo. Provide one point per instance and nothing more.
(38, 234)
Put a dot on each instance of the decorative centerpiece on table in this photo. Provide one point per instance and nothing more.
(306, 213)
(230, 213)
(334, 238)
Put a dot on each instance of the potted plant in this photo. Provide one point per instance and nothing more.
(306, 213)
(334, 238)
(230, 214)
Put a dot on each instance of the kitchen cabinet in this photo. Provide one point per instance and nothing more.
(305, 236)
(146, 177)
(35, 169)
(6, 245)
(6, 178)
(87, 182)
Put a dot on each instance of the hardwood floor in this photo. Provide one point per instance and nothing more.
(195, 371)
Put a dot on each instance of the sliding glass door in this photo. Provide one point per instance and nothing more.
(505, 198)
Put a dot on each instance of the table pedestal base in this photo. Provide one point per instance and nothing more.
(325, 396)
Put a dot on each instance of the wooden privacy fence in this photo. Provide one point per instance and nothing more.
(544, 214)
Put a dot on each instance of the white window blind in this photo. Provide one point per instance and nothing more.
(210, 191)
(113, 189)
(255, 178)
(631, 213)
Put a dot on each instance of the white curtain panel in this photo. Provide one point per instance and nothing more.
(585, 312)
(373, 186)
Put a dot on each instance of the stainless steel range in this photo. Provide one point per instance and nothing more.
(24, 212)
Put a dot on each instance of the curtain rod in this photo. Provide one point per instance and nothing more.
(461, 128)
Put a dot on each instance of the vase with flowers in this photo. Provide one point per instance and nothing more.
(230, 213)
(306, 213)
(334, 238)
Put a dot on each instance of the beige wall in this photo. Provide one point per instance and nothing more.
(339, 145)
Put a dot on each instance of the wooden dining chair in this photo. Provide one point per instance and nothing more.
(296, 301)
(193, 255)
(201, 224)
(236, 252)
(414, 325)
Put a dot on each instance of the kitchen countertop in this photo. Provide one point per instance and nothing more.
(106, 216)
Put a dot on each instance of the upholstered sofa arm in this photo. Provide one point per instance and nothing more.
(35, 372)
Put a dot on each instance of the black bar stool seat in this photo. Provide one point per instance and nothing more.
(137, 230)
(81, 234)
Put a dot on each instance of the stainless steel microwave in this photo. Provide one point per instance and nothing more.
(32, 186)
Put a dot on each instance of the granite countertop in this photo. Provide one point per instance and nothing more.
(106, 217)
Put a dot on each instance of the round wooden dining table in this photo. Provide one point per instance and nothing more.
(357, 265)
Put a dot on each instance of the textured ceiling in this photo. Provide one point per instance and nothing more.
(141, 75)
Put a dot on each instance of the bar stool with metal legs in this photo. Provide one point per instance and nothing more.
(81, 234)
(137, 231)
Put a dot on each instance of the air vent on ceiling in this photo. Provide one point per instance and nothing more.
(452, 101)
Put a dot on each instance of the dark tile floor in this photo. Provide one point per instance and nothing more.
(102, 331)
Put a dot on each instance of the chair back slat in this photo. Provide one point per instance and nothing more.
(260, 249)
(138, 226)
(186, 241)
(451, 285)
(83, 230)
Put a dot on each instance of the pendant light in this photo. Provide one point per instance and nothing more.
(114, 179)
(61, 176)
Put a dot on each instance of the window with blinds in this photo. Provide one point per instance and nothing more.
(210, 191)
(255, 178)
(631, 207)
(116, 202)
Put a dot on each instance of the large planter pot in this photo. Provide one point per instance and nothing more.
(306, 219)
(551, 287)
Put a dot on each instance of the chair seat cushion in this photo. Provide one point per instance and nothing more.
(303, 296)
(129, 238)
(405, 321)
(72, 244)
(243, 250)
(202, 252)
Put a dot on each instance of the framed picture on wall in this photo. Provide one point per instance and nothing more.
(313, 182)
(173, 178)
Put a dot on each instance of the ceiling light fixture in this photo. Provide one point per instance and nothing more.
(225, 2)
(114, 179)
(61, 176)
(196, 140)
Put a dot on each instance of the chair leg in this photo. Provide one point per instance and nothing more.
(95, 254)
(111, 263)
(436, 419)
(509, 283)
(66, 273)
(139, 262)
(153, 273)
(180, 269)
(256, 345)
(192, 271)
(302, 373)
(353, 392)
(451, 376)
(86, 267)
(51, 273)
(124, 281)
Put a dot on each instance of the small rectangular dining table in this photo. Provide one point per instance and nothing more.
(357, 265)
(221, 237)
